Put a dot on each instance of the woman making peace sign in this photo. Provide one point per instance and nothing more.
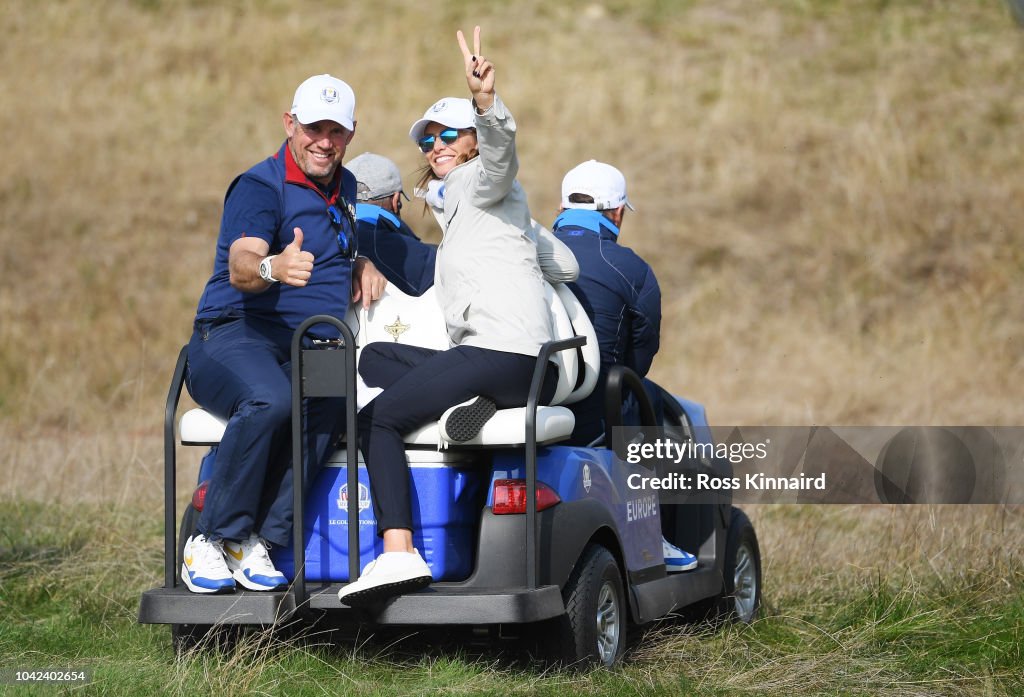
(491, 266)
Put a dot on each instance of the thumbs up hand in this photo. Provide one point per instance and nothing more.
(293, 266)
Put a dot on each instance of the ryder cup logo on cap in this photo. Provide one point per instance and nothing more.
(325, 98)
(603, 183)
(451, 112)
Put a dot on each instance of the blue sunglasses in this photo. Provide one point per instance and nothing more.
(447, 136)
(345, 242)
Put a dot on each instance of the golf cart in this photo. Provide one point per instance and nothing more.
(517, 529)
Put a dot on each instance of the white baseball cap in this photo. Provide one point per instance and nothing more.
(604, 183)
(323, 97)
(453, 112)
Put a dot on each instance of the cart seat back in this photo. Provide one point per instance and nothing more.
(418, 321)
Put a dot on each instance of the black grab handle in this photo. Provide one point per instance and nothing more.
(321, 378)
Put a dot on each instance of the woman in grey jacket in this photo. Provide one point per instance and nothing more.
(490, 272)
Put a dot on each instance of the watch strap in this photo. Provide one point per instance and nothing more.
(266, 270)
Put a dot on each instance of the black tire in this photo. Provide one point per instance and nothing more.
(742, 553)
(592, 631)
(189, 523)
(186, 637)
(741, 598)
(189, 638)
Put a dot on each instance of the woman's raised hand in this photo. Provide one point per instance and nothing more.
(479, 71)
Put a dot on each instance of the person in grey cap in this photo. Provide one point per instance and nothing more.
(383, 236)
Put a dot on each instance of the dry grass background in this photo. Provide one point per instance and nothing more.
(829, 192)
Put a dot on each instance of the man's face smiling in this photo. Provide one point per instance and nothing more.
(318, 147)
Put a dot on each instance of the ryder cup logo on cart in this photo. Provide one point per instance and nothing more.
(329, 95)
(586, 478)
(364, 497)
(396, 328)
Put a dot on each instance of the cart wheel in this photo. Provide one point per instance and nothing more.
(189, 522)
(593, 629)
(186, 637)
(741, 599)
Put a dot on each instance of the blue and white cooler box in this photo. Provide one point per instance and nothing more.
(447, 497)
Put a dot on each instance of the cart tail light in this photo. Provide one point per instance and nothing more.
(510, 496)
(199, 496)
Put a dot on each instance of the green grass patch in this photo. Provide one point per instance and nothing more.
(71, 576)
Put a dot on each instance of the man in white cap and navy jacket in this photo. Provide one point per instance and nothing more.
(619, 291)
(617, 287)
(285, 252)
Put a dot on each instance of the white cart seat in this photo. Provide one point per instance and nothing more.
(418, 321)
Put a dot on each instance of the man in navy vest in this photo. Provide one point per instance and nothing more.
(617, 289)
(285, 252)
(384, 237)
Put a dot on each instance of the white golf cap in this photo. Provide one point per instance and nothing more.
(604, 183)
(453, 112)
(325, 98)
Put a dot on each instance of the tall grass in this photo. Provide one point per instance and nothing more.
(828, 193)
(830, 196)
(898, 601)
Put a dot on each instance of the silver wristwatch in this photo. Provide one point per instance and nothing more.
(266, 271)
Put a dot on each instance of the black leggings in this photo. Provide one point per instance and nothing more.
(419, 385)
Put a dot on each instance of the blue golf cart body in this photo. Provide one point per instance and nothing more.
(527, 531)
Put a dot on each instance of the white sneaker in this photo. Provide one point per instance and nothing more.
(677, 559)
(392, 573)
(251, 565)
(463, 422)
(203, 568)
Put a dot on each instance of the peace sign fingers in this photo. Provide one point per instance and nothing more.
(466, 55)
(479, 70)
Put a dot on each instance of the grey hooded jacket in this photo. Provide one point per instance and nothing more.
(494, 258)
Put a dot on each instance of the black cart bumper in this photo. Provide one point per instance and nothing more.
(438, 604)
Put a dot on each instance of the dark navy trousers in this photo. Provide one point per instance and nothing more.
(239, 369)
(419, 385)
